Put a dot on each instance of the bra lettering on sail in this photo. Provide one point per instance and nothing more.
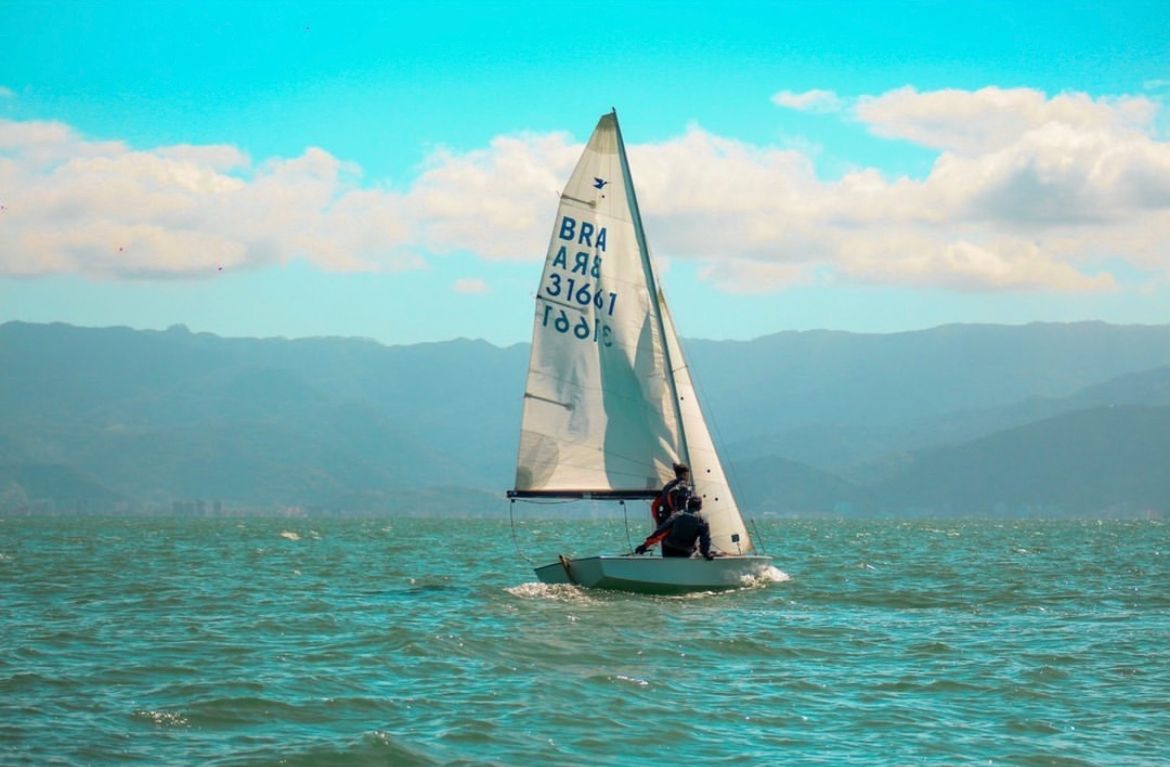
(569, 229)
(580, 263)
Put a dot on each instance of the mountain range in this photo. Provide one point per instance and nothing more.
(1042, 419)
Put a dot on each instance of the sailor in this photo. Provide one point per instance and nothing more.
(680, 532)
(673, 496)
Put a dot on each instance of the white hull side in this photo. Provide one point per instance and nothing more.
(655, 575)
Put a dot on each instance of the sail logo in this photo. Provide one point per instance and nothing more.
(583, 234)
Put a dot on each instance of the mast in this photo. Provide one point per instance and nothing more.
(727, 527)
(652, 283)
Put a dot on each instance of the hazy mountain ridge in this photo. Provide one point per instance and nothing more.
(845, 402)
(811, 422)
(1054, 465)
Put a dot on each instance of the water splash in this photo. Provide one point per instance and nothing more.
(558, 592)
(759, 580)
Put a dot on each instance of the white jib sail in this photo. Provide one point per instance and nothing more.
(599, 405)
(728, 533)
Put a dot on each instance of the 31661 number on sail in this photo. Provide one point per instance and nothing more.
(582, 292)
(582, 329)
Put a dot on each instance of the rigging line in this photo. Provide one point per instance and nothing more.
(729, 468)
(626, 515)
(516, 540)
(759, 538)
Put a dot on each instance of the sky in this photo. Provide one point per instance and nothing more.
(390, 170)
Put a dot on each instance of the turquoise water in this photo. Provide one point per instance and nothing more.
(420, 642)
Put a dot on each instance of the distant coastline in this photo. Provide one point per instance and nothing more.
(1044, 420)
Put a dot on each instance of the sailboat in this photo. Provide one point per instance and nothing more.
(609, 404)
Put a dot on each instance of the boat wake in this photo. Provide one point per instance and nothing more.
(556, 592)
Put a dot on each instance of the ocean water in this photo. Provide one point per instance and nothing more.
(163, 641)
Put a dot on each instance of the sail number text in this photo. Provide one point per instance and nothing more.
(581, 293)
(571, 282)
(582, 329)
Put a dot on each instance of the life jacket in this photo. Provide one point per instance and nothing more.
(673, 498)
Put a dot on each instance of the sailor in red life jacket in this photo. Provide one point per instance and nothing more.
(680, 532)
(673, 496)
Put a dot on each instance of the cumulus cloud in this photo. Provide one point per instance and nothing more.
(104, 209)
(493, 202)
(809, 101)
(1027, 192)
(975, 122)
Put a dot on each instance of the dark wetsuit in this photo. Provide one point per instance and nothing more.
(679, 534)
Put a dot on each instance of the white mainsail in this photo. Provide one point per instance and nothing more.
(599, 413)
(609, 404)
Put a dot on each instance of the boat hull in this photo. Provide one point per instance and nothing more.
(655, 575)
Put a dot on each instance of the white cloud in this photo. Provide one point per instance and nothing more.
(101, 208)
(988, 119)
(1028, 192)
(750, 277)
(493, 202)
(470, 286)
(809, 101)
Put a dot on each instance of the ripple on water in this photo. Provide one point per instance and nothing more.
(221, 642)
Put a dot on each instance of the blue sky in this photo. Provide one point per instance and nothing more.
(390, 170)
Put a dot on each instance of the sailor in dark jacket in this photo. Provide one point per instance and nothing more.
(673, 496)
(679, 533)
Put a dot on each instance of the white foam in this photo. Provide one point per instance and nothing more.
(770, 575)
(775, 575)
(560, 592)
